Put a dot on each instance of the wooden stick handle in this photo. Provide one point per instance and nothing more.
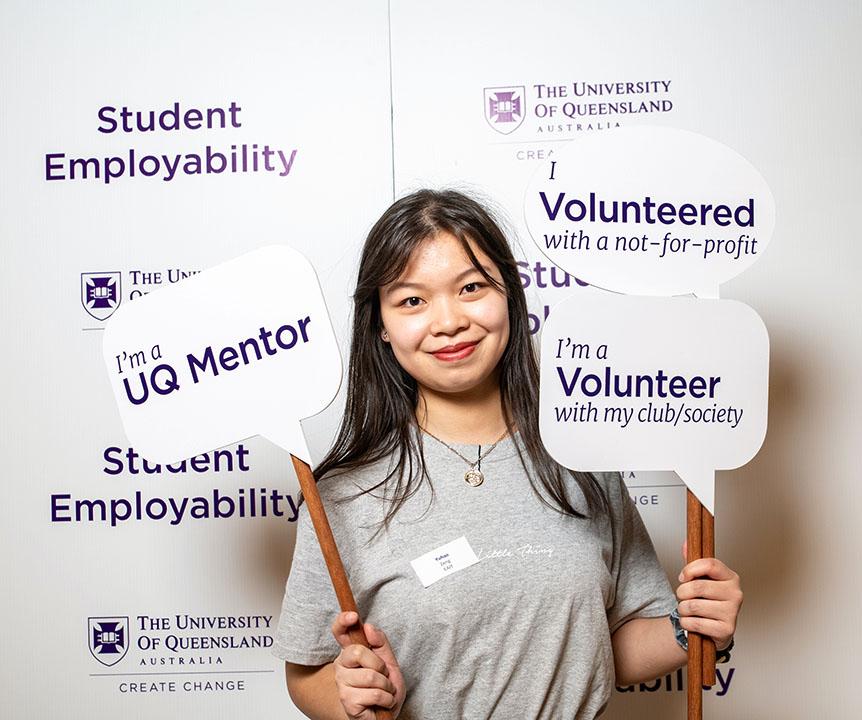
(333, 560)
(707, 521)
(695, 642)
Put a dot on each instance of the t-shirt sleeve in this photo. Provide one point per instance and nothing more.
(304, 634)
(641, 585)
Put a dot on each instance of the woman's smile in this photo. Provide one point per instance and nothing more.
(456, 352)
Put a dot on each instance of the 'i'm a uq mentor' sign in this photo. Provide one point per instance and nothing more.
(241, 349)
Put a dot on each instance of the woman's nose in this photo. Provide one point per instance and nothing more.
(448, 317)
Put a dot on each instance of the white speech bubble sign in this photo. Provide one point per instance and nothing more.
(654, 384)
(249, 346)
(650, 211)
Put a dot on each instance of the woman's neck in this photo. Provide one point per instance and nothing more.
(474, 418)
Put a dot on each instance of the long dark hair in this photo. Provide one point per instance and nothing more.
(379, 417)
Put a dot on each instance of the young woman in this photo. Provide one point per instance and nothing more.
(547, 588)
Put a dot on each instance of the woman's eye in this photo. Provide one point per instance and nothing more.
(409, 301)
(472, 287)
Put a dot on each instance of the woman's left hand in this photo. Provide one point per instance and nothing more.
(709, 596)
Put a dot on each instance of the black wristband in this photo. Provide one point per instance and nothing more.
(721, 656)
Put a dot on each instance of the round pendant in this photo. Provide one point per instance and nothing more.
(474, 477)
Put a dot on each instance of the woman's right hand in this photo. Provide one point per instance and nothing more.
(366, 678)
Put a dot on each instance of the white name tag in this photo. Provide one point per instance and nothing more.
(444, 560)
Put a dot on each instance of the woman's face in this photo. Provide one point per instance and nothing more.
(447, 325)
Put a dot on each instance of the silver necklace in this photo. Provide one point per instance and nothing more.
(473, 477)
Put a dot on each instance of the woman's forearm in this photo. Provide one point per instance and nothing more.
(644, 649)
(313, 691)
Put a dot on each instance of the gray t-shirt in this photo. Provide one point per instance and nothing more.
(524, 632)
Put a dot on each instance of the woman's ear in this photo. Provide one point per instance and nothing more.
(384, 335)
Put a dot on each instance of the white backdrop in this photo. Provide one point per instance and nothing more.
(313, 79)
(775, 81)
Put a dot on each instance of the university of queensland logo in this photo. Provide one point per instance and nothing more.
(505, 108)
(100, 293)
(108, 638)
